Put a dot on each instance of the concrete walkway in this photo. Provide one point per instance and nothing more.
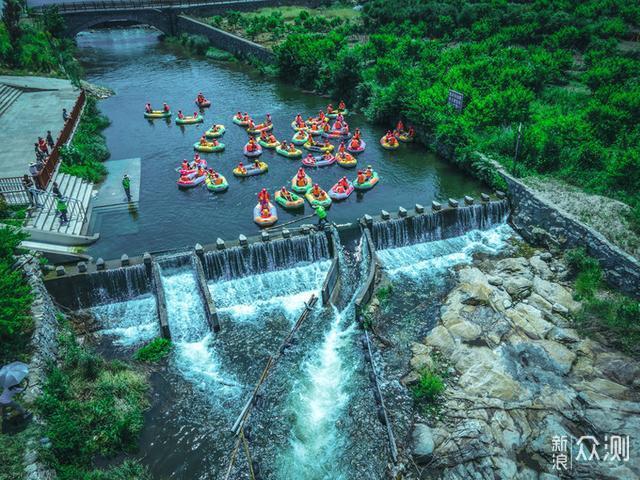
(37, 109)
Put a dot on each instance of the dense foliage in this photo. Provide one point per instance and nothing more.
(154, 351)
(91, 407)
(564, 70)
(88, 149)
(36, 44)
(612, 315)
(15, 295)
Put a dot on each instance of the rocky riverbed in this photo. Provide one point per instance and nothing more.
(518, 375)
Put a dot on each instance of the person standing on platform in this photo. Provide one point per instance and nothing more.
(126, 184)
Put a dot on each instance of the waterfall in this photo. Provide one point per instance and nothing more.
(102, 287)
(413, 261)
(194, 356)
(261, 257)
(429, 227)
(130, 323)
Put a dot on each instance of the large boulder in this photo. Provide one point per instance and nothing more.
(516, 275)
(422, 443)
(529, 320)
(555, 293)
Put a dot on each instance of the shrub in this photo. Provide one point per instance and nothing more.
(429, 387)
(154, 351)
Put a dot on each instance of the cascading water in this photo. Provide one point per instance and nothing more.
(190, 332)
(129, 323)
(324, 441)
(261, 257)
(434, 226)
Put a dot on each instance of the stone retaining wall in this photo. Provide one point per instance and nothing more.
(224, 40)
(538, 221)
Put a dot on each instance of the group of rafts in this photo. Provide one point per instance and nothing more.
(312, 134)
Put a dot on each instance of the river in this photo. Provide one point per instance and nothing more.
(140, 68)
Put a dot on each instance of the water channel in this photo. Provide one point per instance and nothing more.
(140, 69)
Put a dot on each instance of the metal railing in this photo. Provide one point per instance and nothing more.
(136, 4)
(47, 204)
(49, 168)
(13, 192)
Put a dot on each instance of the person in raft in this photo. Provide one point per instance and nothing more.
(246, 117)
(165, 107)
(311, 159)
(400, 126)
(342, 149)
(330, 108)
(239, 116)
(327, 155)
(326, 128)
(197, 159)
(203, 140)
(272, 138)
(180, 114)
(241, 168)
(411, 132)
(292, 148)
(263, 196)
(343, 184)
(317, 192)
(251, 125)
(263, 136)
(184, 178)
(200, 171)
(361, 177)
(299, 120)
(147, 108)
(340, 117)
(195, 114)
(286, 194)
(355, 143)
(301, 179)
(368, 173)
(356, 134)
(216, 179)
(200, 98)
(256, 164)
(185, 165)
(251, 146)
(390, 138)
(267, 120)
(342, 106)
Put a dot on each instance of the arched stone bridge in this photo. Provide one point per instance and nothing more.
(161, 14)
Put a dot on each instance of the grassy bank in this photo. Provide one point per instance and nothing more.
(92, 407)
(607, 314)
(88, 149)
(270, 26)
(199, 46)
(563, 74)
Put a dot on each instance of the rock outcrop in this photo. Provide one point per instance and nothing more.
(521, 375)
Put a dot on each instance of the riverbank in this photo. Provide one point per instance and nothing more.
(516, 371)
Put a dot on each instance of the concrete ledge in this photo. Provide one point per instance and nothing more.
(366, 292)
(207, 299)
(161, 301)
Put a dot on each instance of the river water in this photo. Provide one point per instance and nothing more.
(140, 69)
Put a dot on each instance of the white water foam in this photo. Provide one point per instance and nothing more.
(414, 261)
(284, 290)
(318, 402)
(129, 323)
(194, 357)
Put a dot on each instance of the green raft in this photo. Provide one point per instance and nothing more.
(369, 184)
(189, 120)
(216, 188)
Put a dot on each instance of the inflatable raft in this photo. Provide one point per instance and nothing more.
(208, 147)
(265, 221)
(240, 122)
(337, 134)
(319, 161)
(300, 138)
(405, 137)
(389, 146)
(295, 202)
(315, 201)
(337, 112)
(286, 153)
(346, 160)
(256, 153)
(318, 147)
(204, 104)
(193, 181)
(301, 189)
(259, 128)
(357, 150)
(189, 120)
(221, 187)
(251, 170)
(215, 131)
(267, 144)
(314, 130)
(369, 184)
(337, 192)
(157, 114)
(297, 128)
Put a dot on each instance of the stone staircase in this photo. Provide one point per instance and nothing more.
(44, 224)
(8, 95)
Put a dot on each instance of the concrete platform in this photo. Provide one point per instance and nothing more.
(37, 109)
(111, 192)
